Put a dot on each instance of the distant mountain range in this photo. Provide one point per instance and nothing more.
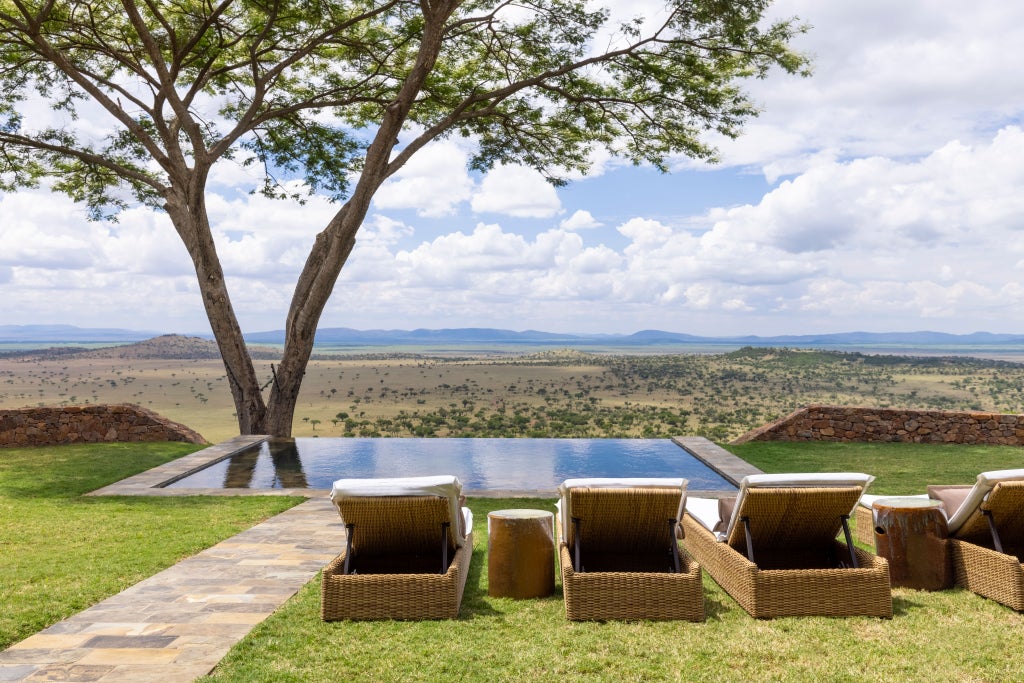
(69, 333)
(478, 335)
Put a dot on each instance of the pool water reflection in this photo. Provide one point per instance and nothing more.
(481, 464)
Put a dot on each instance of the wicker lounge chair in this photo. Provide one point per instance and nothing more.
(776, 553)
(986, 533)
(619, 553)
(407, 553)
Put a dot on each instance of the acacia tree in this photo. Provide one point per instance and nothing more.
(321, 90)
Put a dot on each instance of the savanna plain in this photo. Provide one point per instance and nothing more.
(561, 393)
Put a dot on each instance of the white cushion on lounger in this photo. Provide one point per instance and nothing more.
(795, 480)
(444, 485)
(986, 482)
(615, 483)
(441, 485)
(622, 482)
(806, 479)
(704, 510)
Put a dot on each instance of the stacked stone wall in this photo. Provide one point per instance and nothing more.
(49, 426)
(846, 424)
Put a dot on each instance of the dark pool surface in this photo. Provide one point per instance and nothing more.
(481, 464)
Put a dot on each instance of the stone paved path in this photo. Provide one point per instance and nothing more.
(176, 625)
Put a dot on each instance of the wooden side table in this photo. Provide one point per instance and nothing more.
(520, 553)
(911, 534)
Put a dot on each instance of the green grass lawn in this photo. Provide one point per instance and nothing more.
(949, 635)
(61, 552)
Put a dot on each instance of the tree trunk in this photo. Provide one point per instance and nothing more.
(192, 223)
(333, 246)
(314, 288)
(186, 205)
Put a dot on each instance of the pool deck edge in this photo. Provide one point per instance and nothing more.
(148, 483)
(730, 466)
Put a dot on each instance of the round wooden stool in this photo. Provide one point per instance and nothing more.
(911, 534)
(520, 553)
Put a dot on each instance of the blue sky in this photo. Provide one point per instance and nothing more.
(884, 193)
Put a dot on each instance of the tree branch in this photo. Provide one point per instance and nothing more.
(85, 156)
(167, 87)
(56, 57)
(263, 80)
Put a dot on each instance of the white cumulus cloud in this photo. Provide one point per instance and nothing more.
(433, 182)
(516, 191)
(581, 219)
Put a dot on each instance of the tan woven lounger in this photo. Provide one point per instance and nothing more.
(407, 554)
(619, 553)
(777, 553)
(986, 556)
(865, 527)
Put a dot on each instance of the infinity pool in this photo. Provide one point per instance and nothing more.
(481, 464)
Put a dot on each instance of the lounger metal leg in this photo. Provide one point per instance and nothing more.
(673, 547)
(996, 541)
(349, 530)
(849, 540)
(576, 544)
(750, 541)
(444, 547)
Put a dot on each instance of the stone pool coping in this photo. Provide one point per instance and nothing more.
(149, 483)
